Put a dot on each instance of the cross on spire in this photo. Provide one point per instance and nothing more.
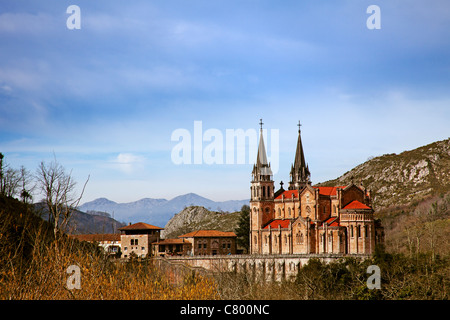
(299, 125)
(261, 123)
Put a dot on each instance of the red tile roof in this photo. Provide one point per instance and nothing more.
(326, 191)
(96, 237)
(140, 226)
(332, 222)
(288, 194)
(329, 191)
(207, 233)
(354, 205)
(278, 222)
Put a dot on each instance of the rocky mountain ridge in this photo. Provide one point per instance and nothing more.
(195, 218)
(399, 179)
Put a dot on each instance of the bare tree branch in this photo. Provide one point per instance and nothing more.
(58, 188)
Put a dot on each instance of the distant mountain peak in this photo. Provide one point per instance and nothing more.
(158, 211)
(100, 201)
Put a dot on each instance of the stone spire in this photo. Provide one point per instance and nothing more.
(261, 170)
(300, 174)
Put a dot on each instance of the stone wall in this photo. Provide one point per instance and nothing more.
(257, 267)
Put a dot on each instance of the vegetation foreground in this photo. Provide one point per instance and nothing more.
(34, 264)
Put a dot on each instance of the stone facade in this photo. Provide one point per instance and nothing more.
(137, 239)
(256, 267)
(211, 242)
(308, 219)
(171, 247)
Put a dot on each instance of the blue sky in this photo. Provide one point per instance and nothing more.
(105, 99)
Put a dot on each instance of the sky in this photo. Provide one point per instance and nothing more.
(107, 100)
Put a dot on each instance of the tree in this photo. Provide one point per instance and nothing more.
(11, 182)
(58, 188)
(243, 230)
(28, 185)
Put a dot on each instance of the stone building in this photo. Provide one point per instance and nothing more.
(137, 238)
(308, 219)
(110, 242)
(171, 247)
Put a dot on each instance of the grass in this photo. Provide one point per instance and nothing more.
(34, 264)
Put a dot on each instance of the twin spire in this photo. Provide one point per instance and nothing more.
(261, 171)
(299, 171)
(300, 175)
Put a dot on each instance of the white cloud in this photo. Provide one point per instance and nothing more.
(128, 162)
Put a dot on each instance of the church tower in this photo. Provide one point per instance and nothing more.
(300, 175)
(262, 193)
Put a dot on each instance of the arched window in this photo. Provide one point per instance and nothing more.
(301, 237)
(334, 208)
(366, 231)
(289, 211)
(264, 191)
(267, 210)
(279, 212)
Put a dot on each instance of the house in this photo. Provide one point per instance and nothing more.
(137, 238)
(170, 247)
(109, 242)
(211, 242)
(309, 219)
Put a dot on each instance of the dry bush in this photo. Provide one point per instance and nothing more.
(46, 277)
(33, 265)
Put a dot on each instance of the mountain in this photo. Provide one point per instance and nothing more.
(84, 222)
(158, 211)
(405, 178)
(197, 217)
(89, 223)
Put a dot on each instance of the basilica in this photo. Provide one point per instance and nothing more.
(306, 219)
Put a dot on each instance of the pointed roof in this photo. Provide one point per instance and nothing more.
(261, 159)
(299, 170)
(140, 226)
(299, 161)
(332, 222)
(356, 205)
(278, 223)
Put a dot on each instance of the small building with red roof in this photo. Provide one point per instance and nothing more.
(211, 242)
(136, 239)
